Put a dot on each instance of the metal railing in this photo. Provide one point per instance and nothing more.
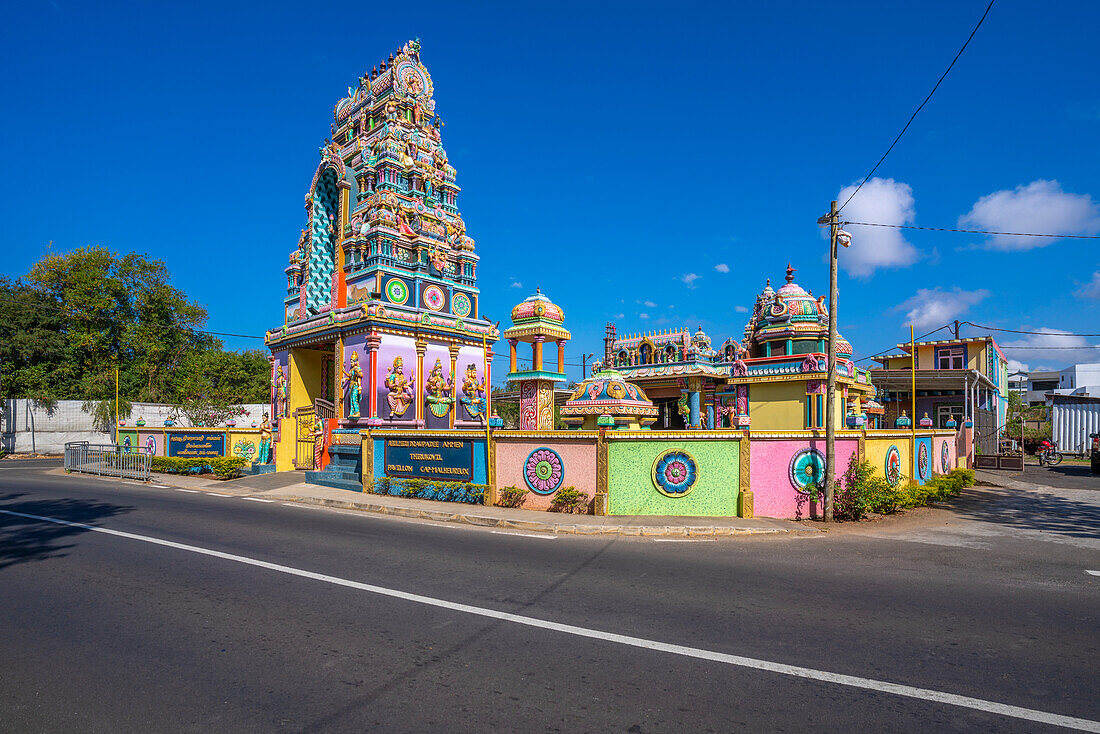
(108, 460)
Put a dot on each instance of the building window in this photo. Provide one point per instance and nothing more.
(951, 358)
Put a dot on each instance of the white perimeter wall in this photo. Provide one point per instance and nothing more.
(28, 427)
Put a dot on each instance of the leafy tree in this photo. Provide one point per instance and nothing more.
(35, 356)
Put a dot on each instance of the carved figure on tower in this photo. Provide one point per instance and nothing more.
(473, 392)
(400, 389)
(439, 391)
(353, 378)
(280, 394)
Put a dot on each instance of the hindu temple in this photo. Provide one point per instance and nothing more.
(772, 379)
(382, 322)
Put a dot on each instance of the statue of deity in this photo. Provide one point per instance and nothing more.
(353, 377)
(265, 441)
(473, 392)
(438, 388)
(400, 387)
(281, 403)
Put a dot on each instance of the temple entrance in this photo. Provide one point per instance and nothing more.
(308, 433)
(312, 396)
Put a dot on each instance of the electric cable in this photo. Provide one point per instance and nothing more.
(976, 231)
(922, 104)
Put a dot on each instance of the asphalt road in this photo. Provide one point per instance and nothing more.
(295, 626)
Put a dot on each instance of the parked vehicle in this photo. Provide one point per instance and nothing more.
(1094, 453)
(1049, 455)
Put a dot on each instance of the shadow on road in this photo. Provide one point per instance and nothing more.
(1031, 511)
(23, 539)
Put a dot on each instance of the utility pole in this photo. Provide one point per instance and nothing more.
(830, 391)
(584, 365)
(956, 329)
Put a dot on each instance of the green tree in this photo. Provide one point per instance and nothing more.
(121, 311)
(35, 356)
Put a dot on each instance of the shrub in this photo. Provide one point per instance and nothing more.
(966, 475)
(381, 485)
(569, 500)
(465, 492)
(512, 497)
(224, 467)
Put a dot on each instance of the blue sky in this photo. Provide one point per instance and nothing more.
(640, 165)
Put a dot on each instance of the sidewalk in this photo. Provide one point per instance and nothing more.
(284, 486)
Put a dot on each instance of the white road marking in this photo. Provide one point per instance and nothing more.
(299, 504)
(160, 486)
(524, 535)
(215, 494)
(1094, 573)
(683, 540)
(256, 499)
(192, 491)
(797, 671)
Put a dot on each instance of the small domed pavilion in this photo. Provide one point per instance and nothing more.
(535, 321)
(609, 396)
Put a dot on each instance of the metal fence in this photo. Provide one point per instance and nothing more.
(108, 460)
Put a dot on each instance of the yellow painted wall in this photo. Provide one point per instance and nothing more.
(777, 406)
(305, 386)
(875, 451)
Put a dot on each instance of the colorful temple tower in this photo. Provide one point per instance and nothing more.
(535, 321)
(382, 325)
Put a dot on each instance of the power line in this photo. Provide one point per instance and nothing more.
(890, 349)
(976, 231)
(922, 104)
(1021, 331)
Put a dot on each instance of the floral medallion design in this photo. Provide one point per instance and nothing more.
(807, 467)
(922, 460)
(543, 471)
(434, 298)
(151, 445)
(893, 466)
(675, 473)
(945, 457)
(461, 306)
(245, 449)
(397, 291)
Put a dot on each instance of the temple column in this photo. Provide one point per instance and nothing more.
(693, 401)
(454, 383)
(512, 348)
(536, 353)
(489, 380)
(338, 390)
(373, 342)
(421, 347)
(561, 357)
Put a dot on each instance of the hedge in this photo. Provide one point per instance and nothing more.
(225, 467)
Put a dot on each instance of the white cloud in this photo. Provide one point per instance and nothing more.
(740, 309)
(1070, 349)
(1017, 366)
(722, 268)
(936, 307)
(643, 316)
(689, 279)
(516, 284)
(649, 304)
(882, 201)
(1040, 206)
(1091, 290)
(619, 316)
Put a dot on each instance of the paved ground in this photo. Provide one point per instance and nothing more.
(218, 612)
(1075, 476)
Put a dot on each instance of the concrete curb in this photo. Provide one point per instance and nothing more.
(546, 527)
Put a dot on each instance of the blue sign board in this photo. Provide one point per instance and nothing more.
(196, 445)
(429, 458)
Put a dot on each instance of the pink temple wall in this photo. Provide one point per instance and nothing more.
(769, 479)
(952, 453)
(578, 462)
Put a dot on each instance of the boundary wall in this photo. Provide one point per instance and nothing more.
(717, 473)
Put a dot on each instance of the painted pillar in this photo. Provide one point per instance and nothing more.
(421, 347)
(489, 380)
(693, 401)
(536, 353)
(338, 390)
(373, 342)
(710, 416)
(454, 383)
(561, 356)
(512, 348)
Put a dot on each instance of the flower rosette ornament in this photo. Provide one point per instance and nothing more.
(922, 460)
(945, 457)
(893, 466)
(543, 471)
(674, 473)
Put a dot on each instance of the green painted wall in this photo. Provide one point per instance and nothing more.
(630, 482)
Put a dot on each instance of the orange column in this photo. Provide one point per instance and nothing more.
(419, 380)
(512, 347)
(561, 356)
(536, 353)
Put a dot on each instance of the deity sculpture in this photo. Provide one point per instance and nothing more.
(683, 409)
(473, 392)
(438, 388)
(401, 391)
(265, 441)
(281, 403)
(318, 441)
(353, 377)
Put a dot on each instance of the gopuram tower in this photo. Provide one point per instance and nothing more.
(382, 323)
